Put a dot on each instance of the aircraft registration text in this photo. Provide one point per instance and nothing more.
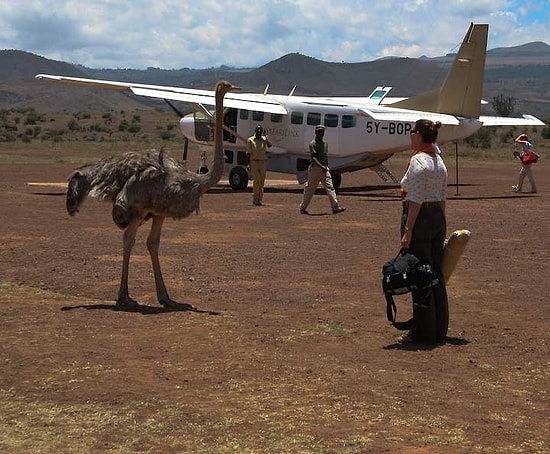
(389, 127)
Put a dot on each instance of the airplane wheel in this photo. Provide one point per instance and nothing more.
(238, 178)
(336, 180)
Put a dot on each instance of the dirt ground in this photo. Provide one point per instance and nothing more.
(289, 350)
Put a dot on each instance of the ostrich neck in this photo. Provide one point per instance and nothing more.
(217, 169)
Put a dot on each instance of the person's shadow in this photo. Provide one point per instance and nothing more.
(415, 346)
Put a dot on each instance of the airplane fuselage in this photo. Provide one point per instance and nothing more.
(355, 141)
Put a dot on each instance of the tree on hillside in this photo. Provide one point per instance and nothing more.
(503, 105)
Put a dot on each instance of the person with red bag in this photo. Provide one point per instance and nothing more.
(527, 158)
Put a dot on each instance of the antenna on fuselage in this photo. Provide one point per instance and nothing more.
(292, 91)
(266, 89)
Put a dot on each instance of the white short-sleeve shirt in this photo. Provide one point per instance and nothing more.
(425, 179)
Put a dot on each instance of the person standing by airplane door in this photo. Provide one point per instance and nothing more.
(257, 145)
(319, 172)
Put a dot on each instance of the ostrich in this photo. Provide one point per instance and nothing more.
(147, 187)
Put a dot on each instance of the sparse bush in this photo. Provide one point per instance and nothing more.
(123, 125)
(134, 128)
(73, 125)
(82, 115)
(32, 118)
(481, 139)
(503, 105)
(166, 135)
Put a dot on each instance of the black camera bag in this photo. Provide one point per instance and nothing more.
(403, 274)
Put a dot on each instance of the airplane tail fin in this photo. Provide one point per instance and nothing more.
(461, 92)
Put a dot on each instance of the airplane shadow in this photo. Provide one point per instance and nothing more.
(413, 346)
(139, 309)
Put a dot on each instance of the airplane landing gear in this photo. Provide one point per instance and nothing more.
(238, 178)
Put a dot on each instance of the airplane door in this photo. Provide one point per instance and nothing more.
(230, 120)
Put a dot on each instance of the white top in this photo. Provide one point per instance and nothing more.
(425, 179)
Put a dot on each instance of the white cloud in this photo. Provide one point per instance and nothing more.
(186, 33)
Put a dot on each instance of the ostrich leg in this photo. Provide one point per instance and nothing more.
(128, 240)
(153, 244)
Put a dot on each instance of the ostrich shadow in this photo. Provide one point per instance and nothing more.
(141, 309)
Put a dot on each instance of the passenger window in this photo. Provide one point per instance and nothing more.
(331, 121)
(313, 119)
(297, 118)
(242, 158)
(243, 114)
(228, 156)
(257, 116)
(276, 118)
(349, 121)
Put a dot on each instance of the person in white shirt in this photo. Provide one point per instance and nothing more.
(526, 145)
(423, 230)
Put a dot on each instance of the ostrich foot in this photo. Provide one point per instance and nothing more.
(126, 301)
(171, 304)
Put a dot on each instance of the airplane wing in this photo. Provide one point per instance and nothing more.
(405, 115)
(392, 114)
(246, 101)
(527, 120)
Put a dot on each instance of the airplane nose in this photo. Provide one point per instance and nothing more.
(187, 126)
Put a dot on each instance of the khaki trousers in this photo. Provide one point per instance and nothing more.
(315, 176)
(526, 170)
(259, 170)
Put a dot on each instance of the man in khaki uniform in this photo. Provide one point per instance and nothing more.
(257, 145)
(319, 172)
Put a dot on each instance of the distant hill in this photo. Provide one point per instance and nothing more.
(522, 72)
(19, 88)
(316, 77)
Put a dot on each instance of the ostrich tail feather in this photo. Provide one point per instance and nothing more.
(77, 191)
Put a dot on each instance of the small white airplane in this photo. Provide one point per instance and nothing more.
(362, 132)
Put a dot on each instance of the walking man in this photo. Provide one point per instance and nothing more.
(319, 172)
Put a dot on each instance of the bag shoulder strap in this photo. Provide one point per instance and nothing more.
(391, 314)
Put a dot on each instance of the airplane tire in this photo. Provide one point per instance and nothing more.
(238, 178)
(336, 180)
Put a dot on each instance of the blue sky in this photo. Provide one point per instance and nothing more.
(172, 34)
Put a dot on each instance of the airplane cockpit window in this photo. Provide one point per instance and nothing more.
(257, 116)
(378, 94)
(276, 118)
(331, 121)
(349, 121)
(243, 114)
(297, 118)
(313, 119)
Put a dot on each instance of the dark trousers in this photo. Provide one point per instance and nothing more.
(430, 307)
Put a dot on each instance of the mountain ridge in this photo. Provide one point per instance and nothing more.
(522, 72)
